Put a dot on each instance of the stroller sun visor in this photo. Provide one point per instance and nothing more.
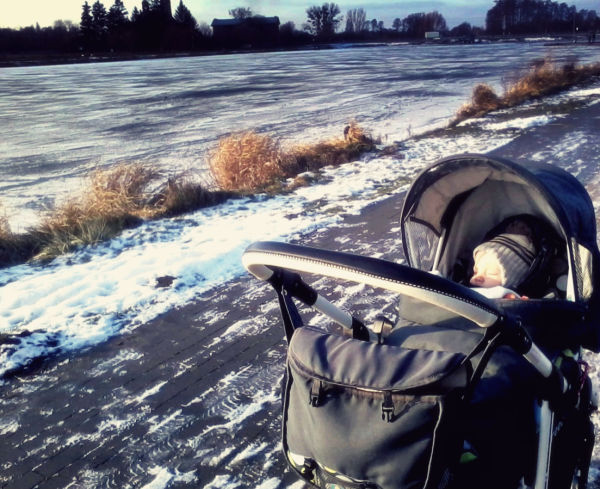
(456, 201)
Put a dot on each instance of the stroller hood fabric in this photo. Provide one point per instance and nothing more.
(454, 202)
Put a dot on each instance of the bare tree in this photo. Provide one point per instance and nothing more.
(241, 13)
(356, 20)
(205, 29)
(323, 21)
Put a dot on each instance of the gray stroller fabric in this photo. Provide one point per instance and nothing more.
(378, 415)
(498, 424)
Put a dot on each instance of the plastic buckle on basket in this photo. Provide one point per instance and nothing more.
(308, 470)
(316, 393)
(387, 408)
(382, 327)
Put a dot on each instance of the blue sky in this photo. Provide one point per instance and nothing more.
(45, 12)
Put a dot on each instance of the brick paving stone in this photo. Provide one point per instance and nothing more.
(26, 481)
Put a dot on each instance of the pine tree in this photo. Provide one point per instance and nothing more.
(135, 14)
(99, 25)
(184, 17)
(117, 16)
(86, 25)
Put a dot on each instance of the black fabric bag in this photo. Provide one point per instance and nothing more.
(363, 415)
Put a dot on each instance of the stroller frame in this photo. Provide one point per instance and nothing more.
(279, 264)
(275, 262)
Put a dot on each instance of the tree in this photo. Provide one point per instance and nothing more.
(434, 21)
(99, 23)
(323, 21)
(537, 17)
(117, 16)
(464, 30)
(416, 25)
(86, 26)
(356, 21)
(184, 17)
(241, 13)
(135, 15)
(116, 22)
(205, 29)
(397, 24)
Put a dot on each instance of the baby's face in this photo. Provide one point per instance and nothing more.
(486, 271)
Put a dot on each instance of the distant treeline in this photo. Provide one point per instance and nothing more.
(539, 17)
(153, 28)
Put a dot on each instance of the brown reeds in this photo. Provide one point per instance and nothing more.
(247, 162)
(125, 195)
(183, 194)
(543, 77)
(251, 162)
(117, 198)
(311, 157)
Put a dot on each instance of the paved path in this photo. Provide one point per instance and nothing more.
(191, 399)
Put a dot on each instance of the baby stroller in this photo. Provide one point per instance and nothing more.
(462, 391)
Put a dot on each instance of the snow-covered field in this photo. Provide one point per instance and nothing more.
(60, 122)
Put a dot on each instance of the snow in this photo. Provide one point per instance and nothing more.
(161, 480)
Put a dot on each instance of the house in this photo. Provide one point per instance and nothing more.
(252, 31)
(432, 36)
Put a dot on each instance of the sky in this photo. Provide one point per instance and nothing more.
(22, 13)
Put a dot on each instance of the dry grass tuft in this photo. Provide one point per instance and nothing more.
(122, 190)
(311, 157)
(115, 199)
(5, 231)
(247, 161)
(183, 194)
(483, 100)
(251, 162)
(544, 77)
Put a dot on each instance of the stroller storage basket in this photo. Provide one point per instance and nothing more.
(360, 414)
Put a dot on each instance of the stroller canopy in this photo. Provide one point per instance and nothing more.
(453, 204)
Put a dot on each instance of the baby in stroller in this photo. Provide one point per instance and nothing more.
(503, 260)
(511, 256)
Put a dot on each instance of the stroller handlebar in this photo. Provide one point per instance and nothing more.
(262, 258)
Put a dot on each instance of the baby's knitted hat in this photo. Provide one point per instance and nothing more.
(515, 254)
